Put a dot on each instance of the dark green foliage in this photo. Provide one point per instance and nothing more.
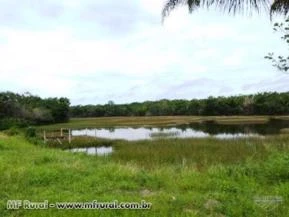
(30, 132)
(271, 103)
(23, 110)
(8, 122)
(13, 131)
(58, 107)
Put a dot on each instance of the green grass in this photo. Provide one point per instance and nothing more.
(158, 121)
(173, 186)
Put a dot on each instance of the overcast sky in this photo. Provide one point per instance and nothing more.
(93, 51)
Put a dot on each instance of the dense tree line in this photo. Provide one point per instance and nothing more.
(271, 103)
(25, 109)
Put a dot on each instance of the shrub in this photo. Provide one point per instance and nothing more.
(7, 123)
(12, 131)
(30, 132)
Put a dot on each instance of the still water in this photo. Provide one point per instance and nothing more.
(100, 151)
(132, 134)
(196, 130)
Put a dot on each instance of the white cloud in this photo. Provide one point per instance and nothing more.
(235, 58)
(79, 59)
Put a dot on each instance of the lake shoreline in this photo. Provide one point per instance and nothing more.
(148, 121)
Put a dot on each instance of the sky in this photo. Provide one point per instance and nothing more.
(94, 51)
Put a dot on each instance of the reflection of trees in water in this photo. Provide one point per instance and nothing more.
(212, 128)
(183, 127)
(163, 134)
(273, 126)
(111, 129)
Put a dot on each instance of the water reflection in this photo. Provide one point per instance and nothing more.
(195, 130)
(272, 127)
(144, 133)
(100, 151)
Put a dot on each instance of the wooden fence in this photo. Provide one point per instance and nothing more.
(63, 134)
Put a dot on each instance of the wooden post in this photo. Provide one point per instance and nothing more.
(58, 140)
(61, 132)
(95, 133)
(44, 136)
(69, 136)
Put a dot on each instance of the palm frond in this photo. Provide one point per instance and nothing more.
(238, 6)
(172, 4)
(280, 6)
(230, 6)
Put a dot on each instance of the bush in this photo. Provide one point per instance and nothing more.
(30, 132)
(276, 169)
(13, 131)
(7, 123)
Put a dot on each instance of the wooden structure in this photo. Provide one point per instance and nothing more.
(58, 136)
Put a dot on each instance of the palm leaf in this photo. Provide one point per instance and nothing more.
(280, 6)
(230, 6)
(172, 4)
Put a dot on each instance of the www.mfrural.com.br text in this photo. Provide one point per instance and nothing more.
(43, 205)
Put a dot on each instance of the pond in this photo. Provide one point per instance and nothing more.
(194, 130)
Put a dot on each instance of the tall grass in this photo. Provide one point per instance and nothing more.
(199, 153)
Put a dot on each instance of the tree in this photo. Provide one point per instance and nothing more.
(248, 105)
(20, 110)
(231, 6)
(281, 62)
(59, 108)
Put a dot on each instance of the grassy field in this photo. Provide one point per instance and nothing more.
(158, 121)
(192, 177)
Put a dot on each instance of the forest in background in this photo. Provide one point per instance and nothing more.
(21, 110)
(267, 103)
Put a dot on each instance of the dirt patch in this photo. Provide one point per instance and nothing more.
(146, 193)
